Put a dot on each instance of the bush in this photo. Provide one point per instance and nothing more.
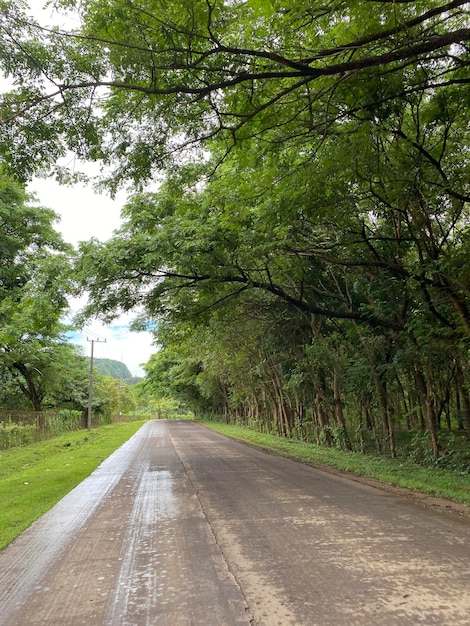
(13, 434)
(29, 427)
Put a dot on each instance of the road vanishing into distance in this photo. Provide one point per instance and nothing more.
(182, 526)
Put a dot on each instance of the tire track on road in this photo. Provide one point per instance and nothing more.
(24, 562)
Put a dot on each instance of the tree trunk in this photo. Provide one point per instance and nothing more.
(29, 389)
(463, 402)
(385, 413)
(429, 410)
(339, 410)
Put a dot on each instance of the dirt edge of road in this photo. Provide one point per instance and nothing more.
(425, 500)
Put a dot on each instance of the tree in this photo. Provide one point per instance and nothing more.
(113, 396)
(377, 247)
(137, 82)
(316, 181)
(66, 379)
(28, 236)
(33, 287)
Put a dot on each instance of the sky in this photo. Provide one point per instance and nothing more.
(85, 214)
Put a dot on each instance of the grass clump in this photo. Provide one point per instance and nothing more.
(34, 477)
(437, 481)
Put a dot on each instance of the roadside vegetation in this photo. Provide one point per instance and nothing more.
(34, 477)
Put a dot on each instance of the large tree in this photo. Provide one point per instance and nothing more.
(366, 239)
(316, 180)
(34, 283)
(138, 81)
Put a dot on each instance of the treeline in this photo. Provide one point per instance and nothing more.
(314, 280)
(265, 366)
(305, 262)
(313, 289)
(41, 371)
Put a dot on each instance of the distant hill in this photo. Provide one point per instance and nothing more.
(109, 367)
(135, 380)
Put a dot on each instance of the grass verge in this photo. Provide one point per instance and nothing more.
(34, 477)
(442, 483)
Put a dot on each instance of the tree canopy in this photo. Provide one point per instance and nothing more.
(137, 83)
(304, 258)
(35, 281)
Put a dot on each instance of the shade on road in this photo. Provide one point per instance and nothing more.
(183, 526)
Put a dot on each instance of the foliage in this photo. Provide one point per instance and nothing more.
(28, 238)
(303, 260)
(134, 380)
(39, 368)
(112, 396)
(295, 315)
(67, 380)
(21, 431)
(137, 83)
(34, 283)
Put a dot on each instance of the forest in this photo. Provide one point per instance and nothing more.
(296, 233)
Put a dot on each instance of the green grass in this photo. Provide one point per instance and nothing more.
(444, 483)
(34, 477)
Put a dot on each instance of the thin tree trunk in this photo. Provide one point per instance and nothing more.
(429, 410)
(339, 410)
(385, 413)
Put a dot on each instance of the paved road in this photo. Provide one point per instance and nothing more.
(182, 526)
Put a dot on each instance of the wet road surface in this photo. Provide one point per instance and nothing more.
(182, 526)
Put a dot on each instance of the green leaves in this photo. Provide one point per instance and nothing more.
(310, 185)
(163, 78)
(34, 283)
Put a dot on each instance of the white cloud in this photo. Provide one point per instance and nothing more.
(85, 214)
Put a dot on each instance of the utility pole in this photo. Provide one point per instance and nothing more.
(119, 394)
(119, 399)
(90, 382)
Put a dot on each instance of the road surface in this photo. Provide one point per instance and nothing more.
(182, 526)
